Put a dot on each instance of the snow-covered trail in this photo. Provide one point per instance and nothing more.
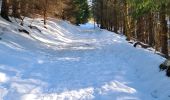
(65, 62)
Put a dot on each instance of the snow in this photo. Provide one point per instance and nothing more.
(3, 77)
(67, 62)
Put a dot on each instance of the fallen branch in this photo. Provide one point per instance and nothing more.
(24, 31)
(34, 27)
(142, 45)
(165, 66)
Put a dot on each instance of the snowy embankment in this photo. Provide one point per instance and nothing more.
(66, 62)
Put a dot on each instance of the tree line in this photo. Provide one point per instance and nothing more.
(140, 20)
(144, 21)
(75, 11)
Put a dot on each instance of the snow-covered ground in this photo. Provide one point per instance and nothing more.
(67, 62)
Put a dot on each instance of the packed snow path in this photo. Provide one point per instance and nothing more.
(66, 62)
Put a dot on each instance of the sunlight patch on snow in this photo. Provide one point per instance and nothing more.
(23, 88)
(3, 77)
(12, 45)
(127, 98)
(116, 86)
(82, 94)
(69, 59)
(118, 41)
(83, 48)
(40, 61)
(3, 92)
(30, 97)
(3, 23)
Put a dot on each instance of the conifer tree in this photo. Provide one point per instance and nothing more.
(82, 13)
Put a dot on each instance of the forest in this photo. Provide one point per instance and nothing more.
(75, 11)
(143, 21)
(84, 49)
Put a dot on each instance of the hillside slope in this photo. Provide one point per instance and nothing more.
(67, 62)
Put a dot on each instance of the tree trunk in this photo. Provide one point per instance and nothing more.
(139, 29)
(127, 21)
(5, 10)
(115, 17)
(15, 9)
(45, 12)
(164, 29)
(45, 17)
(150, 29)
